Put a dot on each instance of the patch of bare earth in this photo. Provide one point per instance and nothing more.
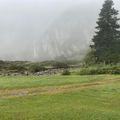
(53, 89)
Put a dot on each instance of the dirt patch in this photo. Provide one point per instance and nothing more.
(53, 89)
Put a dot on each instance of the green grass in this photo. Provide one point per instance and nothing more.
(93, 103)
(9, 82)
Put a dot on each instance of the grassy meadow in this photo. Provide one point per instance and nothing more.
(60, 97)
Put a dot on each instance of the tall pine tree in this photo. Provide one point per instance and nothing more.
(106, 42)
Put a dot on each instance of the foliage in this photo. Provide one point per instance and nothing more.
(58, 65)
(32, 67)
(18, 68)
(89, 58)
(100, 70)
(36, 68)
(66, 72)
(106, 42)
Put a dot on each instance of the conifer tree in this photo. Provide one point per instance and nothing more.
(106, 42)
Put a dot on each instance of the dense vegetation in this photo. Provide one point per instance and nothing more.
(25, 67)
(106, 42)
(100, 69)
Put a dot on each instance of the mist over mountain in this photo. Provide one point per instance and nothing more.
(44, 30)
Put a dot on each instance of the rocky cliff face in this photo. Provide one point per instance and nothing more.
(40, 32)
(68, 36)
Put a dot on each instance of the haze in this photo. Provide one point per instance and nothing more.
(47, 29)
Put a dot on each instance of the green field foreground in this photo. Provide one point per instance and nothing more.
(58, 97)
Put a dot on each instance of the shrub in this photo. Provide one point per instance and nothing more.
(66, 72)
(102, 70)
(58, 65)
(36, 68)
(89, 58)
(18, 68)
(1, 62)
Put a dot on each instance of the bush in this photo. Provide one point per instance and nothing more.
(102, 70)
(58, 65)
(37, 68)
(66, 72)
(89, 58)
(18, 68)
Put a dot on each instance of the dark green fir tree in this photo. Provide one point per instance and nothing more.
(106, 42)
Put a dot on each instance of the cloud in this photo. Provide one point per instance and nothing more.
(29, 29)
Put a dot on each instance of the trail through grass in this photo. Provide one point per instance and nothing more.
(76, 98)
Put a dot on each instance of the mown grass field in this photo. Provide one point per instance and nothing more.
(60, 97)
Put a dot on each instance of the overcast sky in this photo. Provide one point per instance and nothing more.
(24, 22)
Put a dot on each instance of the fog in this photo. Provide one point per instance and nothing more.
(40, 30)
